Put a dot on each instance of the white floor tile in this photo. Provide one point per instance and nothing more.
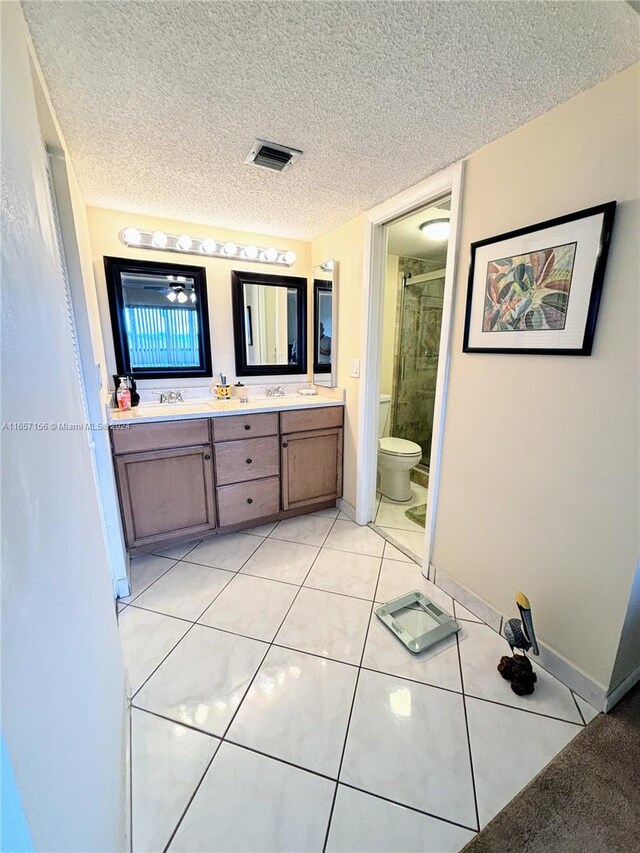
(365, 824)
(394, 515)
(225, 552)
(342, 516)
(177, 552)
(308, 529)
(331, 512)
(461, 612)
(146, 639)
(349, 574)
(168, 761)
(349, 536)
(297, 709)
(144, 571)
(248, 802)
(203, 681)
(411, 539)
(264, 530)
(120, 606)
(281, 561)
(254, 607)
(439, 666)
(398, 578)
(392, 553)
(185, 590)
(408, 742)
(481, 649)
(509, 747)
(588, 711)
(326, 624)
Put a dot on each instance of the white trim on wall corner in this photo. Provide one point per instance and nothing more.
(614, 696)
(448, 181)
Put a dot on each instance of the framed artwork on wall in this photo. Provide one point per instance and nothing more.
(537, 290)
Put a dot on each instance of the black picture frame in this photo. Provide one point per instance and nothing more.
(238, 280)
(319, 286)
(114, 269)
(607, 210)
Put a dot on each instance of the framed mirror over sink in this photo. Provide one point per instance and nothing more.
(269, 323)
(325, 323)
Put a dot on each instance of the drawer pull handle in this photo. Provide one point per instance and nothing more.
(207, 456)
(249, 500)
(249, 461)
(247, 426)
(285, 444)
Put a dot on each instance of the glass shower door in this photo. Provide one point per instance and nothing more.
(418, 341)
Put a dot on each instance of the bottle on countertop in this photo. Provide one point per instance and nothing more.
(123, 396)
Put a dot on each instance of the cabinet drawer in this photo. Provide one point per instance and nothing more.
(304, 419)
(159, 436)
(247, 460)
(244, 501)
(244, 426)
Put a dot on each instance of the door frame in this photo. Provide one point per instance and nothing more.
(449, 180)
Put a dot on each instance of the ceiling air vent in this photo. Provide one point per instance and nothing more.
(272, 156)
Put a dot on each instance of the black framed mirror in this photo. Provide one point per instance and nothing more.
(269, 323)
(322, 325)
(159, 318)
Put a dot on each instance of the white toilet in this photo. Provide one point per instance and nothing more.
(396, 458)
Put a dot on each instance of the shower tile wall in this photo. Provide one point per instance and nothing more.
(418, 322)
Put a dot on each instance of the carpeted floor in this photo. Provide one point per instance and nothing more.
(586, 801)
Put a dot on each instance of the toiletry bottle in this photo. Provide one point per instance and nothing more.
(123, 396)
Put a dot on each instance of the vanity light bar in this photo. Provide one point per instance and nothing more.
(186, 245)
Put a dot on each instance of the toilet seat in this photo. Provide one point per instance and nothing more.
(398, 446)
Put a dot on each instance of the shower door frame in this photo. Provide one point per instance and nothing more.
(398, 371)
(448, 181)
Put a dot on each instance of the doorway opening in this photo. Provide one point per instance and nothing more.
(424, 298)
(412, 307)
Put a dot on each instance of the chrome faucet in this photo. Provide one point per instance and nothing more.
(276, 391)
(171, 397)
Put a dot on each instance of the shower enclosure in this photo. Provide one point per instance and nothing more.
(418, 323)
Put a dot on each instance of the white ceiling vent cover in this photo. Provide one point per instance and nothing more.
(271, 155)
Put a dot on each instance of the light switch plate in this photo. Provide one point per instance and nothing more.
(355, 368)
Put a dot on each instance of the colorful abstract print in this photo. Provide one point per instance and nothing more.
(529, 292)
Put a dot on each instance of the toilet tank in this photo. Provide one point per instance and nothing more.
(383, 419)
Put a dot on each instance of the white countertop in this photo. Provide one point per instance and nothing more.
(152, 412)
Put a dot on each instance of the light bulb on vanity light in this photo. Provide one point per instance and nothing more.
(171, 296)
(159, 239)
(251, 252)
(182, 297)
(131, 236)
(230, 249)
(208, 246)
(184, 242)
(289, 257)
(192, 296)
(271, 255)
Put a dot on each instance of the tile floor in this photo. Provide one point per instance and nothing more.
(391, 519)
(272, 711)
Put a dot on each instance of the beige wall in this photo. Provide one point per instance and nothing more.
(389, 307)
(539, 480)
(539, 487)
(345, 245)
(104, 227)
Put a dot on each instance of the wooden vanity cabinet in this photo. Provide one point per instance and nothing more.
(311, 456)
(165, 481)
(180, 479)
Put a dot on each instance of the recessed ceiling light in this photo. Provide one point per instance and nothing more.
(436, 229)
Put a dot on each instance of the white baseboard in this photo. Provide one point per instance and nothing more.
(615, 695)
(570, 675)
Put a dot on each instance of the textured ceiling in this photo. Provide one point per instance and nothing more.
(160, 102)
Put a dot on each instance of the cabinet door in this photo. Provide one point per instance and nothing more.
(166, 493)
(311, 467)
